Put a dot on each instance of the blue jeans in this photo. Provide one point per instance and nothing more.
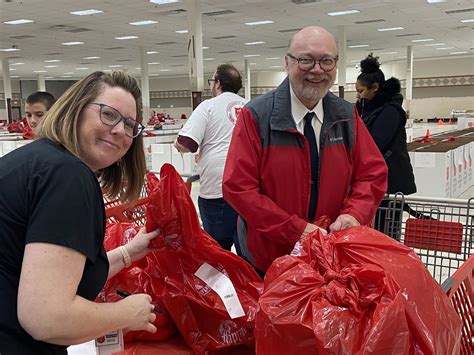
(219, 220)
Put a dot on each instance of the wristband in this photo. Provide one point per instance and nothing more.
(127, 260)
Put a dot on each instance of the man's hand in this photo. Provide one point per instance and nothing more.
(343, 221)
(311, 228)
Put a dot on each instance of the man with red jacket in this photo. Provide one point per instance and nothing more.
(299, 153)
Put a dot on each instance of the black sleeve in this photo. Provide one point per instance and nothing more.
(385, 127)
(66, 209)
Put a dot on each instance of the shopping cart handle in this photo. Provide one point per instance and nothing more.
(447, 284)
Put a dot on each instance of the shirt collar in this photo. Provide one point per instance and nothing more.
(298, 110)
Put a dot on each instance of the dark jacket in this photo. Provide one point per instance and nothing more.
(267, 174)
(385, 119)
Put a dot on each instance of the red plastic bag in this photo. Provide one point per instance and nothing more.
(28, 132)
(198, 311)
(355, 291)
(135, 279)
(15, 127)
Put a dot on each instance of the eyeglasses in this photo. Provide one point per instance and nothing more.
(111, 117)
(209, 81)
(326, 64)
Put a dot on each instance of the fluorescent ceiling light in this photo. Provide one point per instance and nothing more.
(86, 12)
(340, 13)
(422, 40)
(143, 23)
(435, 44)
(434, 1)
(64, 76)
(153, 63)
(181, 31)
(253, 43)
(256, 23)
(205, 47)
(40, 71)
(253, 63)
(209, 58)
(386, 53)
(12, 69)
(276, 66)
(9, 49)
(18, 22)
(71, 43)
(390, 29)
(164, 70)
(81, 68)
(91, 58)
(115, 66)
(441, 48)
(468, 20)
(68, 73)
(359, 46)
(126, 37)
(152, 52)
(272, 58)
(52, 61)
(461, 52)
(17, 64)
(251, 55)
(51, 66)
(161, 2)
(14, 76)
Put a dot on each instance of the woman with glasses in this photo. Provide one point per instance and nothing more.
(379, 103)
(52, 220)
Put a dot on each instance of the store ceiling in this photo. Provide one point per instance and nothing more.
(224, 32)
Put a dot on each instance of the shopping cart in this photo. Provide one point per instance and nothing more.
(134, 212)
(460, 290)
(440, 231)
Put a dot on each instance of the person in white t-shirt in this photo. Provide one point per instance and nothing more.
(210, 128)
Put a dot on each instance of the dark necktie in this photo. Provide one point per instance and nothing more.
(314, 156)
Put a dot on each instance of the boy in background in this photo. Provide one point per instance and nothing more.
(36, 106)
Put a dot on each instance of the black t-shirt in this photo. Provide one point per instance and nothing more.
(47, 195)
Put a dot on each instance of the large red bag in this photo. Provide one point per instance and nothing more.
(355, 291)
(183, 247)
(136, 278)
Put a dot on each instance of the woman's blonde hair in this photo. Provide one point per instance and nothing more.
(123, 179)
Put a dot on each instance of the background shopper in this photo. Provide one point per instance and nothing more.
(36, 106)
(209, 129)
(379, 103)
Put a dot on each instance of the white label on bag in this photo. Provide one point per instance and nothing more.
(221, 285)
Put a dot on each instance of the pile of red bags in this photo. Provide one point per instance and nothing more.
(23, 127)
(202, 317)
(211, 315)
(355, 291)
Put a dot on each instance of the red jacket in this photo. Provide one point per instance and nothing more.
(267, 174)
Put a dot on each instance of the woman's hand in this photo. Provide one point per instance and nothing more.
(138, 246)
(140, 311)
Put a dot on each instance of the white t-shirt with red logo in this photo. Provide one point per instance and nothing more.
(211, 125)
